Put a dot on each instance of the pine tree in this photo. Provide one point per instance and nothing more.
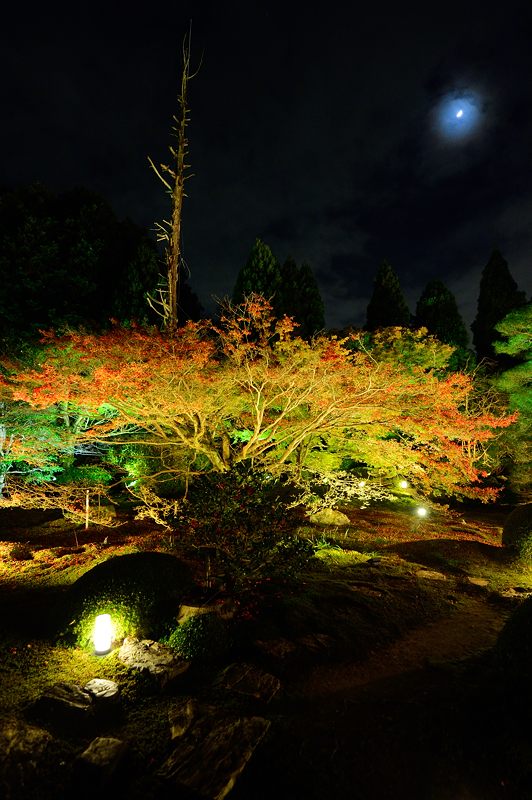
(299, 297)
(497, 297)
(261, 274)
(387, 306)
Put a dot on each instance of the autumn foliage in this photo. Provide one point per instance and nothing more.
(248, 389)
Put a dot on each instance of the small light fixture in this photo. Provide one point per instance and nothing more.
(403, 484)
(421, 512)
(103, 634)
(361, 484)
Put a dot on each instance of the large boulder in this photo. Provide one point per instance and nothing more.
(329, 516)
(141, 591)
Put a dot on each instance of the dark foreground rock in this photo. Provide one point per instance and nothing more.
(211, 750)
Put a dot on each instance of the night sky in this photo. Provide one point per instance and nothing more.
(342, 138)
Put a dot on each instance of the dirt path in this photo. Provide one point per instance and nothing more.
(470, 629)
(404, 724)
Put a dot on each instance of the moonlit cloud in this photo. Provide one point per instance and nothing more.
(459, 116)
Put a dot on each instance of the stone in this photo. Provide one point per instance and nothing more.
(152, 657)
(188, 611)
(213, 753)
(26, 752)
(430, 575)
(99, 762)
(328, 516)
(102, 689)
(477, 581)
(278, 649)
(181, 716)
(249, 681)
(66, 705)
(225, 609)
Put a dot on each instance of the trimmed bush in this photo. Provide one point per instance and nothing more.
(517, 531)
(203, 637)
(141, 591)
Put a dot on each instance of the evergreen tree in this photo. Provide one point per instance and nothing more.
(299, 297)
(497, 297)
(437, 311)
(387, 306)
(260, 274)
(516, 382)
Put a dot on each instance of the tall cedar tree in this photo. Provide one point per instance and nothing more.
(299, 297)
(516, 382)
(387, 307)
(437, 311)
(497, 297)
(260, 274)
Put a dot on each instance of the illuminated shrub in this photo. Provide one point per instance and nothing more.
(141, 592)
(517, 531)
(203, 637)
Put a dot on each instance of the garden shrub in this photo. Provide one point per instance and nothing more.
(517, 531)
(141, 592)
(21, 552)
(245, 520)
(203, 637)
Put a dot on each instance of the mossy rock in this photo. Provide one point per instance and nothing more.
(141, 591)
(517, 531)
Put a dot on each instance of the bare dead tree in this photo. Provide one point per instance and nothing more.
(173, 176)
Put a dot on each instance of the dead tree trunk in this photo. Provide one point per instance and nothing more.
(173, 176)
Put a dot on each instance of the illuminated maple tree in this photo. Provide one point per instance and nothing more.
(249, 390)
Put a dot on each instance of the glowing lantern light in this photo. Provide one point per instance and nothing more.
(103, 634)
(403, 484)
(361, 483)
(421, 512)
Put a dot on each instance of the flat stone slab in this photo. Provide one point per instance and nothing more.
(249, 681)
(212, 754)
(160, 661)
(103, 690)
(477, 581)
(430, 575)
